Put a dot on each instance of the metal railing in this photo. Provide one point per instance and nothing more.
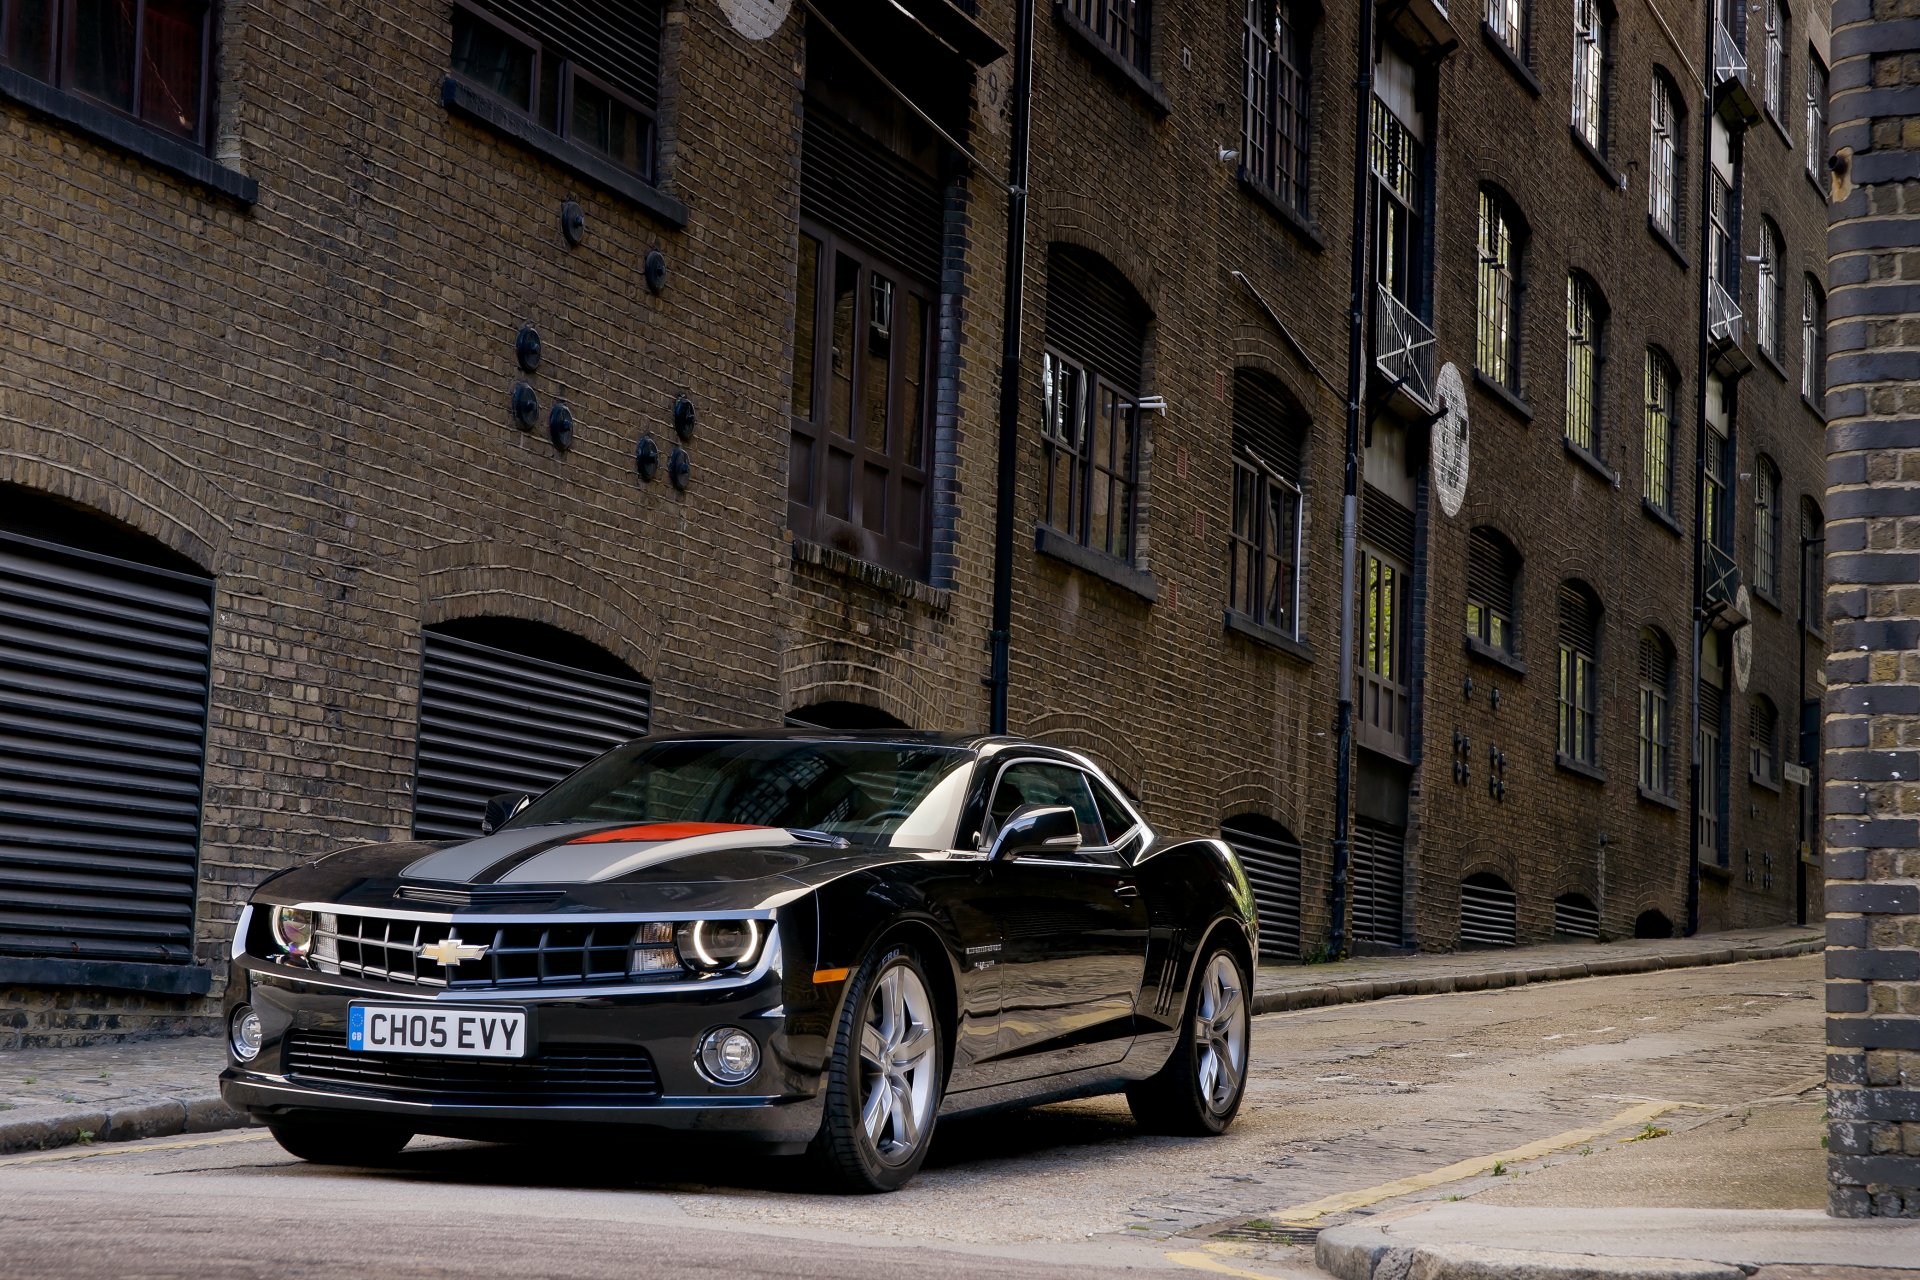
(1719, 579)
(1723, 313)
(1403, 346)
(1729, 59)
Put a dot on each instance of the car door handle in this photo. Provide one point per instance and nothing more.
(1126, 891)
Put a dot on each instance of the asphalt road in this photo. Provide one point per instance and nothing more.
(1351, 1109)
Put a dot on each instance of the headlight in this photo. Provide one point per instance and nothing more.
(653, 950)
(729, 1055)
(293, 930)
(712, 945)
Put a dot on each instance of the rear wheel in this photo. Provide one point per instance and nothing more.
(884, 1080)
(1198, 1092)
(339, 1142)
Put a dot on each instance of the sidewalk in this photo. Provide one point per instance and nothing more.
(151, 1088)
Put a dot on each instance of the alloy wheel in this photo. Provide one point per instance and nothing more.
(1220, 1033)
(898, 1065)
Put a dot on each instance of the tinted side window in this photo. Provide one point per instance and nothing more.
(1031, 782)
(1113, 814)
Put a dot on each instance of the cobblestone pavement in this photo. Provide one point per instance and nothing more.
(1361, 1105)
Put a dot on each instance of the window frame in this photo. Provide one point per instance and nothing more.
(1592, 67)
(1666, 158)
(1817, 75)
(1775, 25)
(1656, 448)
(1501, 284)
(1484, 617)
(1105, 852)
(1813, 341)
(1134, 42)
(1766, 528)
(1083, 470)
(1586, 363)
(1510, 21)
(1656, 717)
(1384, 583)
(1267, 74)
(1395, 150)
(1763, 749)
(1247, 594)
(1766, 290)
(63, 54)
(1578, 686)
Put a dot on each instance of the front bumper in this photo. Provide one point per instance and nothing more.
(625, 1057)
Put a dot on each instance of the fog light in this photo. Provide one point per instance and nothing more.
(245, 1033)
(729, 1055)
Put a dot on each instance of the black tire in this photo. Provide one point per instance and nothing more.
(340, 1142)
(1174, 1100)
(845, 1152)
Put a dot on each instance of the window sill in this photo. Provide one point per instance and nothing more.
(114, 975)
(1579, 768)
(1507, 399)
(1289, 218)
(1590, 462)
(1105, 56)
(1507, 56)
(1598, 161)
(1659, 233)
(1772, 362)
(868, 574)
(1763, 784)
(181, 159)
(1052, 543)
(1813, 180)
(577, 160)
(1241, 625)
(1779, 128)
(1660, 798)
(1767, 598)
(1662, 518)
(1819, 411)
(1481, 651)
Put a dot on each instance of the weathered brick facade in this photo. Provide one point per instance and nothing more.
(307, 396)
(1873, 602)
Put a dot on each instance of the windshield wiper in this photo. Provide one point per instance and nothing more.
(819, 837)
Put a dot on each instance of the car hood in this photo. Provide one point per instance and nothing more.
(599, 866)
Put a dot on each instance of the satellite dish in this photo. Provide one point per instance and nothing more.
(1450, 443)
(1743, 641)
(756, 19)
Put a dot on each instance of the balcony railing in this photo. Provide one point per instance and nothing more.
(1720, 586)
(1732, 87)
(1403, 348)
(1729, 59)
(1723, 314)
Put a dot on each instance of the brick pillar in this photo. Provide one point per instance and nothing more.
(1873, 605)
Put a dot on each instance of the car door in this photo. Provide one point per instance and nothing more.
(1074, 931)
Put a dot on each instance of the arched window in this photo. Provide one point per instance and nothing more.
(1656, 713)
(1091, 377)
(1489, 912)
(1766, 528)
(1271, 858)
(1766, 290)
(1580, 615)
(509, 706)
(1592, 35)
(1813, 564)
(1666, 170)
(1507, 19)
(1763, 742)
(1274, 134)
(1662, 388)
(1493, 589)
(1502, 238)
(1586, 323)
(1269, 453)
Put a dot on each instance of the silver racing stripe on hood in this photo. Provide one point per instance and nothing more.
(478, 861)
(589, 862)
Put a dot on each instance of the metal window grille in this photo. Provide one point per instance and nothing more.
(1123, 24)
(1379, 883)
(1589, 72)
(1766, 287)
(1816, 118)
(1663, 162)
(1763, 743)
(1657, 437)
(1499, 281)
(104, 673)
(1489, 912)
(1813, 341)
(1774, 59)
(495, 721)
(1575, 916)
(1656, 723)
(1493, 568)
(1507, 19)
(1766, 528)
(1269, 438)
(1579, 683)
(1583, 361)
(1271, 857)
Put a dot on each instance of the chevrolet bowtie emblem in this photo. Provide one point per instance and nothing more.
(450, 951)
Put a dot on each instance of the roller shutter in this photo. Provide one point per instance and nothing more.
(493, 721)
(1489, 913)
(1378, 878)
(1575, 916)
(1386, 524)
(1268, 423)
(103, 710)
(853, 186)
(1094, 318)
(1490, 572)
(1272, 861)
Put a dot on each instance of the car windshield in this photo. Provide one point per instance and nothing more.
(906, 795)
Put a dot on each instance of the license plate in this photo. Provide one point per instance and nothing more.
(451, 1033)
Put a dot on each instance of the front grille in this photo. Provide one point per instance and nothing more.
(559, 1075)
(518, 955)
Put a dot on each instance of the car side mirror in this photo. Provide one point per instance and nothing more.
(502, 807)
(1048, 828)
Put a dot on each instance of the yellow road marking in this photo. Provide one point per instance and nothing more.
(1301, 1215)
(1203, 1259)
(133, 1148)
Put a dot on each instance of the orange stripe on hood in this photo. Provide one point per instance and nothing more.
(665, 831)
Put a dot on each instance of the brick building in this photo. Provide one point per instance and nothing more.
(401, 404)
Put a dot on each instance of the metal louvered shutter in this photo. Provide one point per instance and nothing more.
(104, 666)
(856, 187)
(1378, 877)
(616, 39)
(1268, 424)
(1272, 862)
(1490, 572)
(1387, 524)
(1653, 662)
(493, 721)
(1575, 916)
(1489, 913)
(1579, 621)
(1094, 318)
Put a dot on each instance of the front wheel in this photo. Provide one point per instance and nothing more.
(1199, 1091)
(884, 1080)
(339, 1142)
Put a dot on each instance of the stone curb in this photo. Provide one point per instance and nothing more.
(1362, 1252)
(1353, 991)
(125, 1121)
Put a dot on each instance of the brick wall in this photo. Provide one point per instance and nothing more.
(1873, 702)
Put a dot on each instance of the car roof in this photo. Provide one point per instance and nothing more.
(903, 737)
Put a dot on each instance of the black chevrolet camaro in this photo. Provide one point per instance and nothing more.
(818, 941)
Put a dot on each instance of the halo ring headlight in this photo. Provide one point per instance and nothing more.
(712, 945)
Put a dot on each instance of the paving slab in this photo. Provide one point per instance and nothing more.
(113, 1091)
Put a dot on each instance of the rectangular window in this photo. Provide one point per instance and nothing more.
(1507, 19)
(1265, 570)
(1657, 442)
(1816, 119)
(1398, 163)
(1582, 363)
(1663, 161)
(1654, 728)
(1275, 91)
(145, 59)
(1579, 686)
(1589, 72)
(1385, 692)
(1123, 24)
(1766, 293)
(1766, 530)
(587, 72)
(1088, 437)
(1499, 283)
(1774, 62)
(1723, 264)
(1714, 511)
(1813, 342)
